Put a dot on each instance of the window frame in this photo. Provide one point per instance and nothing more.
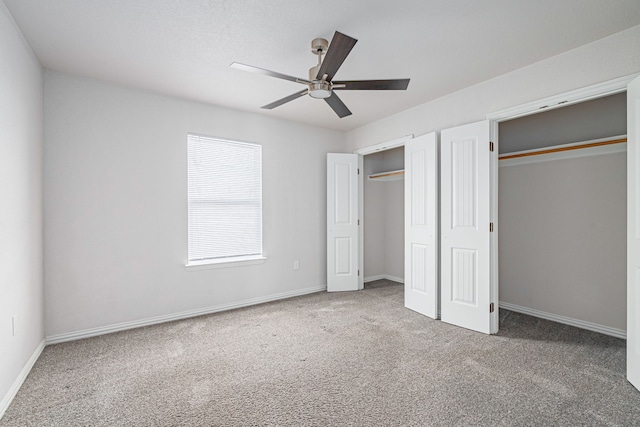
(225, 261)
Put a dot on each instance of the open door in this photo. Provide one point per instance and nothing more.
(633, 233)
(342, 222)
(421, 225)
(466, 226)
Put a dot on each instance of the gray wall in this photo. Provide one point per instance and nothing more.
(384, 216)
(21, 142)
(394, 216)
(116, 213)
(374, 217)
(563, 237)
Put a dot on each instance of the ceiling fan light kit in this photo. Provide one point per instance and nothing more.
(320, 84)
(319, 90)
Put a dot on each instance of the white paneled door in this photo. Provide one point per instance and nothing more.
(465, 218)
(342, 222)
(633, 233)
(421, 225)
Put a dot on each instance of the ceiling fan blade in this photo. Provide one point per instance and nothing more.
(257, 70)
(286, 99)
(338, 50)
(397, 84)
(337, 105)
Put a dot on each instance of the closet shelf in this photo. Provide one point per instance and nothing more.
(388, 176)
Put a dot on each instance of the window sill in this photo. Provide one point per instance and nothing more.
(225, 263)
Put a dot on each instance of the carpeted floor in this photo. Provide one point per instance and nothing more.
(342, 359)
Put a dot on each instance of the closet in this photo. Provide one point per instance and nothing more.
(562, 214)
(383, 215)
(399, 250)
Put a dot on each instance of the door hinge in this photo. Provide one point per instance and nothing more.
(491, 227)
(358, 272)
(490, 146)
(358, 222)
(358, 171)
(491, 308)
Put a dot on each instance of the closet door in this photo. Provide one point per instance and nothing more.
(633, 233)
(465, 226)
(421, 225)
(342, 222)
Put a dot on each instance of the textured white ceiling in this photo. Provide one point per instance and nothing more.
(184, 47)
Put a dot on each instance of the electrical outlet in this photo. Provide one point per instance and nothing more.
(14, 324)
(296, 265)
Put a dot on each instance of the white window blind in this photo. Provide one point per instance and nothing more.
(224, 199)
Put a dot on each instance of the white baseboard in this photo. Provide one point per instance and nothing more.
(384, 277)
(618, 333)
(8, 398)
(87, 333)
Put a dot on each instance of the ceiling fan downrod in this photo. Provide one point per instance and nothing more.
(319, 89)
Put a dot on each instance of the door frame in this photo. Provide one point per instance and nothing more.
(383, 146)
(599, 90)
(361, 152)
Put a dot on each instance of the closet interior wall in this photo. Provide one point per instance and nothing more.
(383, 217)
(562, 223)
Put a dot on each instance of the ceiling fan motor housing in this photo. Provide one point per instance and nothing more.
(313, 73)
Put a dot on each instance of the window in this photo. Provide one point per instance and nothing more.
(224, 200)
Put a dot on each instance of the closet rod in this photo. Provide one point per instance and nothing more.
(386, 175)
(556, 150)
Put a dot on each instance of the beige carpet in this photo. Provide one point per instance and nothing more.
(347, 359)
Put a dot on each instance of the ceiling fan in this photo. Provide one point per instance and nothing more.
(321, 84)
